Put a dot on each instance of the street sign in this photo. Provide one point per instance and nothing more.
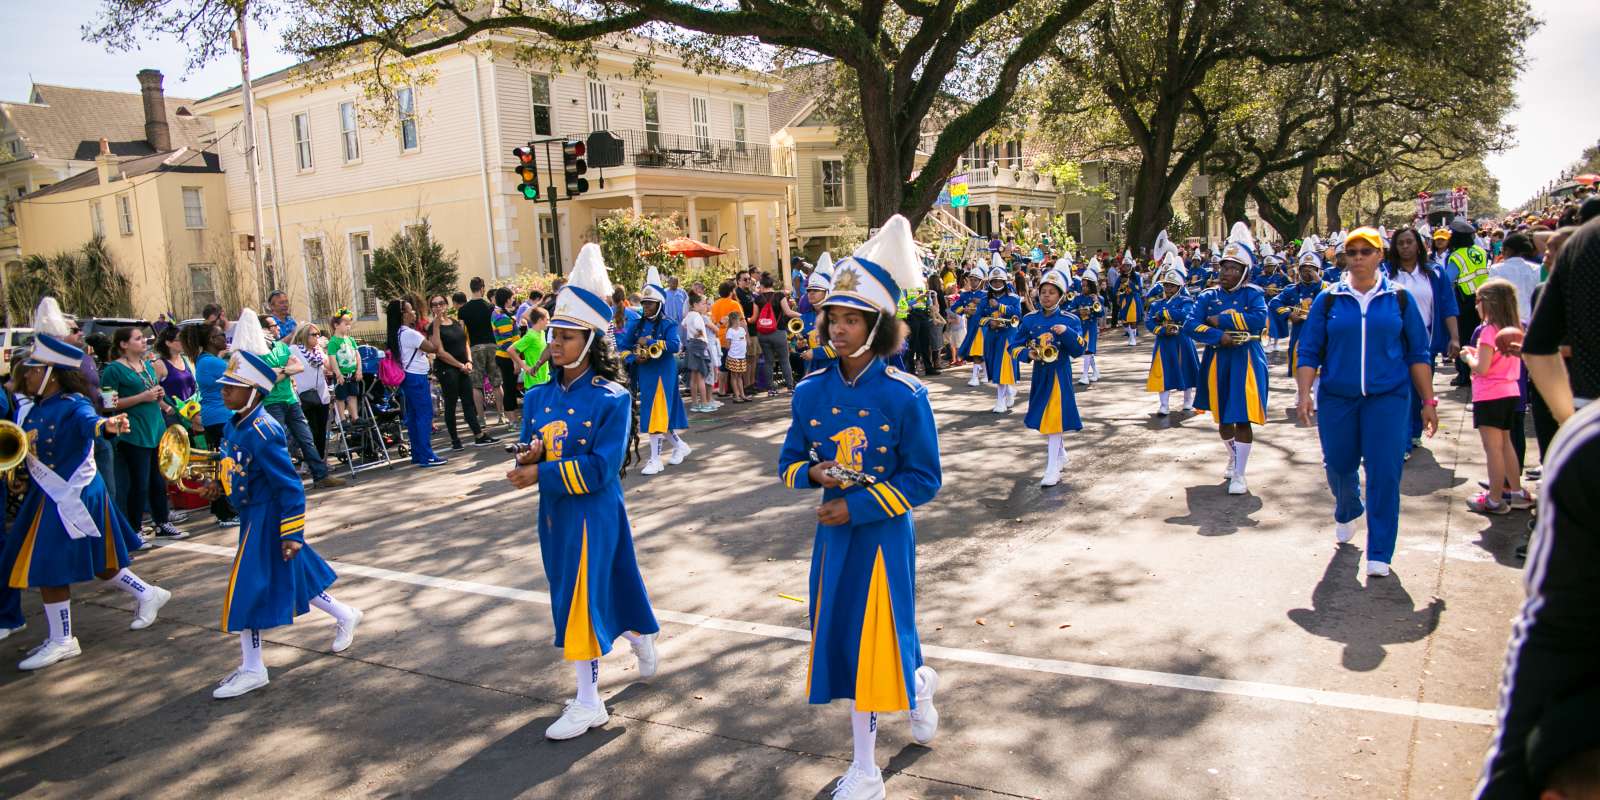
(958, 192)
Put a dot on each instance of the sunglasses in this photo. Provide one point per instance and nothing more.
(1361, 252)
(436, 303)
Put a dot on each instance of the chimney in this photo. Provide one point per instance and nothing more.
(105, 164)
(155, 110)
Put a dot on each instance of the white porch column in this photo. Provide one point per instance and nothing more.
(738, 220)
(692, 224)
(638, 204)
(782, 210)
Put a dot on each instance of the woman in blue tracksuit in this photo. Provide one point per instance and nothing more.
(1407, 265)
(1052, 406)
(1366, 337)
(1174, 365)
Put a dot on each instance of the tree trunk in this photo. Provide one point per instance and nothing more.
(1274, 213)
(1336, 193)
(1233, 201)
(1305, 198)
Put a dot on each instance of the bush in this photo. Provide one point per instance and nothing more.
(631, 243)
(86, 282)
(412, 263)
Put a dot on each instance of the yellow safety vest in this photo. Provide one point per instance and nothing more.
(1472, 268)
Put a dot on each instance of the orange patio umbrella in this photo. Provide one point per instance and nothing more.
(689, 248)
(1588, 178)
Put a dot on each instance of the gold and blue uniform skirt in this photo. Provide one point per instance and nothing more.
(864, 643)
(1234, 385)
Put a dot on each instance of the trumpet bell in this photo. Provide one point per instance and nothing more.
(1048, 354)
(655, 349)
(797, 326)
(172, 453)
(13, 445)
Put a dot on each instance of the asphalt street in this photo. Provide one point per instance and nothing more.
(1132, 633)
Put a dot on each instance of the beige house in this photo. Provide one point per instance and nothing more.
(56, 134)
(333, 187)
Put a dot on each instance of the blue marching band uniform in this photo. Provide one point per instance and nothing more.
(266, 589)
(1052, 403)
(968, 303)
(597, 592)
(998, 313)
(1272, 284)
(879, 426)
(1174, 365)
(1084, 303)
(1297, 297)
(1130, 300)
(817, 353)
(661, 410)
(68, 528)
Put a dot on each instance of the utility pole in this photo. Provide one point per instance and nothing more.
(247, 96)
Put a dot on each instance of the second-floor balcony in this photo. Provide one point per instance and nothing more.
(660, 150)
(1008, 177)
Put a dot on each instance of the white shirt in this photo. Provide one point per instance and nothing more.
(1365, 298)
(694, 325)
(1523, 276)
(736, 342)
(310, 378)
(1416, 282)
(411, 360)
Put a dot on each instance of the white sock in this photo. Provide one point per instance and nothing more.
(250, 649)
(325, 603)
(130, 583)
(864, 732)
(999, 394)
(1242, 450)
(59, 616)
(588, 682)
(1052, 452)
(677, 441)
(1233, 455)
(1061, 448)
(1188, 398)
(655, 447)
(977, 371)
(1164, 402)
(633, 638)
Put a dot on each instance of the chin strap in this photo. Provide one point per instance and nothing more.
(867, 345)
(42, 381)
(582, 354)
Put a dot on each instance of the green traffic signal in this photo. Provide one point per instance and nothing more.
(529, 192)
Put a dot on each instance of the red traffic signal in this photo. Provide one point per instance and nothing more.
(574, 165)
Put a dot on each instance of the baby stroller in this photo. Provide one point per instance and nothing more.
(364, 443)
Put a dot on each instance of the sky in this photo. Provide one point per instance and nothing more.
(1552, 129)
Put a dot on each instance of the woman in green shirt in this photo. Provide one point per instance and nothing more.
(139, 395)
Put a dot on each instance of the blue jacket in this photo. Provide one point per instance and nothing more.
(1445, 305)
(1363, 354)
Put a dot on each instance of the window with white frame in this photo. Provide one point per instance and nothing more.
(124, 215)
(97, 226)
(652, 120)
(599, 107)
(539, 87)
(738, 128)
(360, 262)
(302, 139)
(348, 132)
(702, 122)
(194, 208)
(316, 269)
(832, 183)
(15, 146)
(405, 102)
(202, 287)
(547, 243)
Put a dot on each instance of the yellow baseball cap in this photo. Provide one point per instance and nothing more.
(1366, 234)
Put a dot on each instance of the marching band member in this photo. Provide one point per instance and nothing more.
(68, 529)
(968, 302)
(1173, 363)
(1333, 258)
(1130, 298)
(1050, 338)
(879, 458)
(1271, 281)
(661, 412)
(276, 575)
(1229, 320)
(1086, 306)
(11, 618)
(1294, 303)
(578, 434)
(999, 313)
(1367, 339)
(816, 353)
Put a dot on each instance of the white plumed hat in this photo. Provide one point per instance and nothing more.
(582, 301)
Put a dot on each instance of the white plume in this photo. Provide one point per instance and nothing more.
(895, 250)
(247, 334)
(48, 319)
(589, 272)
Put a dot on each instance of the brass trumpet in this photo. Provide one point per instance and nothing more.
(650, 349)
(14, 448)
(998, 318)
(796, 326)
(178, 461)
(1042, 351)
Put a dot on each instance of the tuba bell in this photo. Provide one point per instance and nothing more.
(179, 462)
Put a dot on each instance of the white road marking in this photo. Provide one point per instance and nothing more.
(1197, 683)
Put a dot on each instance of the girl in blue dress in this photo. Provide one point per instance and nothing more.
(1086, 306)
(1293, 304)
(1272, 282)
(1173, 363)
(864, 433)
(68, 529)
(1228, 320)
(816, 354)
(578, 438)
(967, 304)
(1130, 298)
(661, 412)
(1052, 405)
(276, 576)
(998, 313)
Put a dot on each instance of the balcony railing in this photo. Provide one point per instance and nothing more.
(659, 150)
(1010, 178)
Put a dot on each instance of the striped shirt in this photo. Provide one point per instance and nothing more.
(505, 333)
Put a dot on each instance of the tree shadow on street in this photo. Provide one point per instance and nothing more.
(1364, 618)
(1213, 512)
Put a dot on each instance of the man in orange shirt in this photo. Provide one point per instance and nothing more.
(725, 304)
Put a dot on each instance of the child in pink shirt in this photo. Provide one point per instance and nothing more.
(1495, 398)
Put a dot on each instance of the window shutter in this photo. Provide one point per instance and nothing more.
(849, 187)
(816, 184)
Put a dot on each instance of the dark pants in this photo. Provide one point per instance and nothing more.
(455, 386)
(1467, 323)
(105, 463)
(139, 478)
(317, 419)
(1544, 422)
(921, 346)
(220, 507)
(508, 382)
(293, 420)
(775, 347)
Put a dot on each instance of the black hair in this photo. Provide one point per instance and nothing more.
(1422, 249)
(71, 381)
(605, 363)
(195, 337)
(476, 283)
(211, 308)
(501, 295)
(120, 337)
(1460, 239)
(766, 281)
(725, 289)
(100, 344)
(1519, 245)
(164, 340)
(458, 297)
(394, 312)
(884, 339)
(276, 293)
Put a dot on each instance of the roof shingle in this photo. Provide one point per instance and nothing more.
(70, 122)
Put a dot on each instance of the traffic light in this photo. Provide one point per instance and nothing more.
(527, 172)
(572, 161)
